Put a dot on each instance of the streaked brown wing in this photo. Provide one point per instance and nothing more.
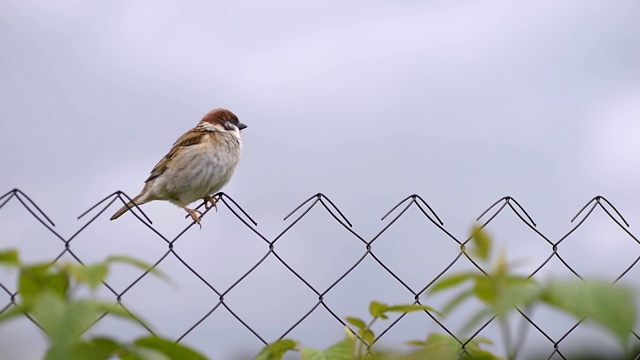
(192, 137)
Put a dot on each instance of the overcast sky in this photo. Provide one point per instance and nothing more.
(462, 102)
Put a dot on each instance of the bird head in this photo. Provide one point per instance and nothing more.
(224, 119)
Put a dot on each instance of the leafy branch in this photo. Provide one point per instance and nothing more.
(46, 295)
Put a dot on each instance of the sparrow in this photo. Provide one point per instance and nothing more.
(198, 165)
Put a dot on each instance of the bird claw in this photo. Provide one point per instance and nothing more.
(194, 216)
(195, 212)
(210, 200)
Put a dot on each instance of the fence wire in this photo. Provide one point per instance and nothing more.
(297, 214)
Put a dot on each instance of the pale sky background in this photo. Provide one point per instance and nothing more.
(462, 102)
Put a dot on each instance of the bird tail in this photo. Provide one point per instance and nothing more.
(126, 208)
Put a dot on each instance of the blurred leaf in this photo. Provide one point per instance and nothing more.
(457, 300)
(482, 243)
(137, 263)
(171, 349)
(482, 340)
(113, 309)
(451, 281)
(118, 311)
(95, 349)
(10, 257)
(406, 308)
(312, 354)
(502, 290)
(64, 321)
(475, 353)
(344, 350)
(484, 289)
(445, 347)
(417, 342)
(143, 353)
(41, 278)
(377, 309)
(276, 350)
(12, 312)
(349, 333)
(478, 317)
(92, 275)
(501, 267)
(611, 306)
(440, 346)
(504, 293)
(384, 355)
(358, 323)
(368, 336)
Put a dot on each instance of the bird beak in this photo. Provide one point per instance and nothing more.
(242, 126)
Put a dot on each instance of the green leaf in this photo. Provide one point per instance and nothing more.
(118, 311)
(94, 349)
(143, 353)
(445, 347)
(519, 291)
(406, 308)
(170, 349)
(312, 354)
(276, 350)
(343, 350)
(482, 340)
(476, 353)
(440, 346)
(48, 310)
(137, 263)
(485, 289)
(92, 275)
(479, 316)
(610, 306)
(377, 309)
(38, 279)
(12, 312)
(368, 336)
(482, 243)
(457, 300)
(417, 342)
(358, 323)
(10, 258)
(451, 281)
(504, 292)
(64, 321)
(114, 309)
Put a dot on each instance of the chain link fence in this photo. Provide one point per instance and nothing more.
(554, 250)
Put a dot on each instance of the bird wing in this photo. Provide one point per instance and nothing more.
(190, 138)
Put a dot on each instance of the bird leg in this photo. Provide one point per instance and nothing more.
(193, 213)
(209, 199)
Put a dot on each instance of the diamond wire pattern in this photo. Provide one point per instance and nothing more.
(319, 199)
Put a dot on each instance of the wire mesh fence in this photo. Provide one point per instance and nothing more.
(273, 248)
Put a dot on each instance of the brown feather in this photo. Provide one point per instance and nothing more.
(192, 137)
(219, 116)
(126, 208)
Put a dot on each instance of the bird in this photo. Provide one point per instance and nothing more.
(200, 163)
